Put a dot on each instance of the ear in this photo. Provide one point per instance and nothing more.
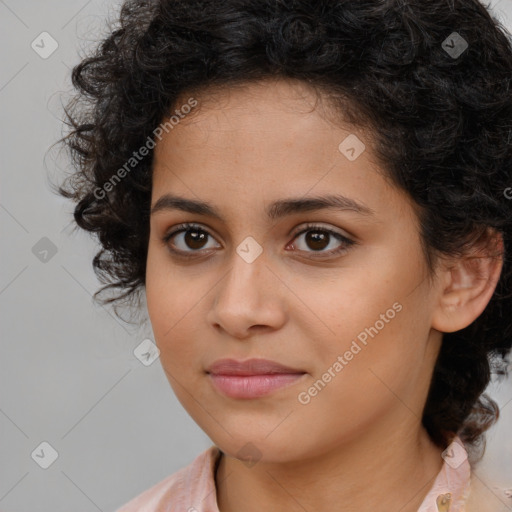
(467, 283)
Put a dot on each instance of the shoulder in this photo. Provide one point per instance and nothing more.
(482, 498)
(181, 490)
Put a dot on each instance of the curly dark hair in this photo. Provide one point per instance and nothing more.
(441, 114)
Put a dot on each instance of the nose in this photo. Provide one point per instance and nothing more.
(249, 297)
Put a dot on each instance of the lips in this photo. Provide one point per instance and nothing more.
(251, 379)
(249, 367)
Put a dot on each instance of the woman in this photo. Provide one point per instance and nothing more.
(313, 200)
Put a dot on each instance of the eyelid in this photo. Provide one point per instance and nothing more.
(316, 225)
(347, 240)
(180, 228)
(296, 232)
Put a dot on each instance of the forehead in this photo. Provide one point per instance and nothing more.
(259, 106)
(285, 121)
(265, 140)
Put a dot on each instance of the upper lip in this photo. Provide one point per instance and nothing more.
(249, 367)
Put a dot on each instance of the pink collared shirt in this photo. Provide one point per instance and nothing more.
(192, 489)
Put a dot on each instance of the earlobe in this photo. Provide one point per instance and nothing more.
(466, 285)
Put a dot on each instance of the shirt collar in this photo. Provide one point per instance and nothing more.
(452, 485)
(447, 494)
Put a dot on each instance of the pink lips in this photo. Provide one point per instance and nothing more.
(252, 378)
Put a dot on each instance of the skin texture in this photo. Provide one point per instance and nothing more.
(360, 439)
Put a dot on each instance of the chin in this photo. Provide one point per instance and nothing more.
(253, 447)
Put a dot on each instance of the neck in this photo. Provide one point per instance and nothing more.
(371, 472)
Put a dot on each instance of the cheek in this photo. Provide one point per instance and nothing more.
(372, 377)
(166, 297)
(374, 318)
(168, 293)
(175, 304)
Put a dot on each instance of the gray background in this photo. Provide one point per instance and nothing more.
(68, 374)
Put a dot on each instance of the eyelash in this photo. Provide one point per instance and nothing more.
(347, 243)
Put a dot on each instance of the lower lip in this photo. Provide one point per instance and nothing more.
(253, 386)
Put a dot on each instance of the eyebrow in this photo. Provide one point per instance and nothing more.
(278, 209)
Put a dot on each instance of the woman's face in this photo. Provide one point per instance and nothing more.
(352, 319)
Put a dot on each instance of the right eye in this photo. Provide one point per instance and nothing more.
(187, 236)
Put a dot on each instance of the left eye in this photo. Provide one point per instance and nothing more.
(319, 238)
